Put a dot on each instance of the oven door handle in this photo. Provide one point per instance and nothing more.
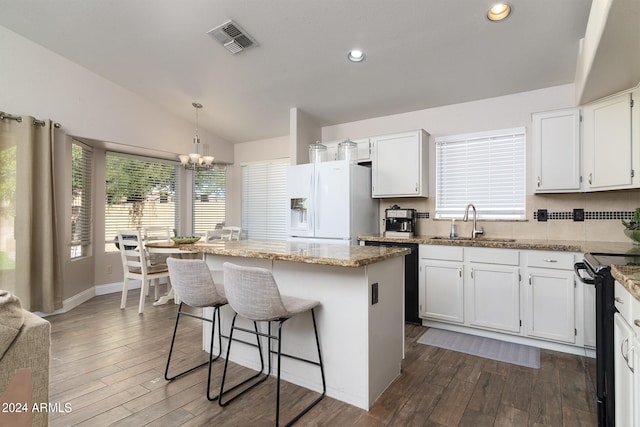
(580, 266)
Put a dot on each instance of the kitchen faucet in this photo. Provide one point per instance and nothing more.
(475, 232)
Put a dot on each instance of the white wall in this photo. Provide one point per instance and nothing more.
(41, 83)
(489, 114)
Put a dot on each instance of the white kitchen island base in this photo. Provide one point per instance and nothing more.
(362, 343)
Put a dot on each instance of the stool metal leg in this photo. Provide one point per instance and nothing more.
(319, 363)
(226, 363)
(211, 357)
(279, 355)
(213, 327)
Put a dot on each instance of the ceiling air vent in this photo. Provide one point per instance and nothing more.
(232, 37)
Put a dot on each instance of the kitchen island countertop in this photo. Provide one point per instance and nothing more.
(310, 253)
(360, 318)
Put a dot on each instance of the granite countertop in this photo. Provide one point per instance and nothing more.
(629, 277)
(506, 243)
(310, 253)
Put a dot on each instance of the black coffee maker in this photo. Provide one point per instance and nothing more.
(399, 222)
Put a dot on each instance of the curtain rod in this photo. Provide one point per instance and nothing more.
(18, 119)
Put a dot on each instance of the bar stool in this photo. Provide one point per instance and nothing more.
(193, 284)
(252, 292)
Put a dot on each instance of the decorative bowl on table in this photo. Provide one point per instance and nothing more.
(185, 240)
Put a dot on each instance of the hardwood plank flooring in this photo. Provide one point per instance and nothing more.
(108, 364)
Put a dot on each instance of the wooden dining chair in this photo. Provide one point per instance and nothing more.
(213, 235)
(231, 233)
(157, 234)
(136, 266)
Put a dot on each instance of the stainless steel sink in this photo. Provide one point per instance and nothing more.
(477, 239)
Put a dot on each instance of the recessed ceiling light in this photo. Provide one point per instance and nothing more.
(356, 55)
(499, 12)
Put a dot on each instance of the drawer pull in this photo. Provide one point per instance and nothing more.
(618, 299)
(550, 260)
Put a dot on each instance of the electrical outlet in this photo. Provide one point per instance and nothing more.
(578, 214)
(109, 269)
(374, 293)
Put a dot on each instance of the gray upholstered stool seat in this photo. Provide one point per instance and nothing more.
(252, 292)
(193, 284)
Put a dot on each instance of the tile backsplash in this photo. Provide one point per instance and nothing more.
(602, 214)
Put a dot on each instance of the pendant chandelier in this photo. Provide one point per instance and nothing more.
(196, 161)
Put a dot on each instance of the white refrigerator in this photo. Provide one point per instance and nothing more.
(330, 202)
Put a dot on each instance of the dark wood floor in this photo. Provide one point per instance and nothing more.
(108, 364)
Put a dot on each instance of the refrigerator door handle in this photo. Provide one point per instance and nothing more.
(312, 208)
(316, 209)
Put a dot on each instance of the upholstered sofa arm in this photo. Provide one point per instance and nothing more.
(30, 350)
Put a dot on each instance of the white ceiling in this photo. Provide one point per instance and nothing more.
(420, 54)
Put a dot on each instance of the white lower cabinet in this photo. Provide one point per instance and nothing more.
(626, 358)
(623, 362)
(494, 297)
(550, 305)
(442, 293)
(530, 293)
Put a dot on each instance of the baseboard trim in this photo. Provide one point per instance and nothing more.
(112, 288)
(71, 303)
(84, 296)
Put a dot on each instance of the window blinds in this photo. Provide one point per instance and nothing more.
(486, 169)
(264, 200)
(81, 185)
(141, 192)
(209, 199)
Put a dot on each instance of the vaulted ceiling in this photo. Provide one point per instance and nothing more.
(419, 54)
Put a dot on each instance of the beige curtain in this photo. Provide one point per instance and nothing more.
(37, 279)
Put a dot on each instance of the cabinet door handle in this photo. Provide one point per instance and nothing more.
(625, 354)
(472, 273)
(637, 322)
(529, 279)
(460, 273)
(590, 180)
(538, 181)
(619, 300)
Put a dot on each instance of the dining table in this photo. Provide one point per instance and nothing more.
(172, 249)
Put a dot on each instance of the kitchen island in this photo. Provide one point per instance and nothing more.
(360, 317)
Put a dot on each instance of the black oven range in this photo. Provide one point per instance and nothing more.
(596, 269)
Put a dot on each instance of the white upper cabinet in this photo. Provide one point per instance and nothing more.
(399, 165)
(556, 142)
(608, 143)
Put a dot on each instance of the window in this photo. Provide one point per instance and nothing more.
(264, 200)
(209, 199)
(141, 192)
(486, 169)
(81, 185)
